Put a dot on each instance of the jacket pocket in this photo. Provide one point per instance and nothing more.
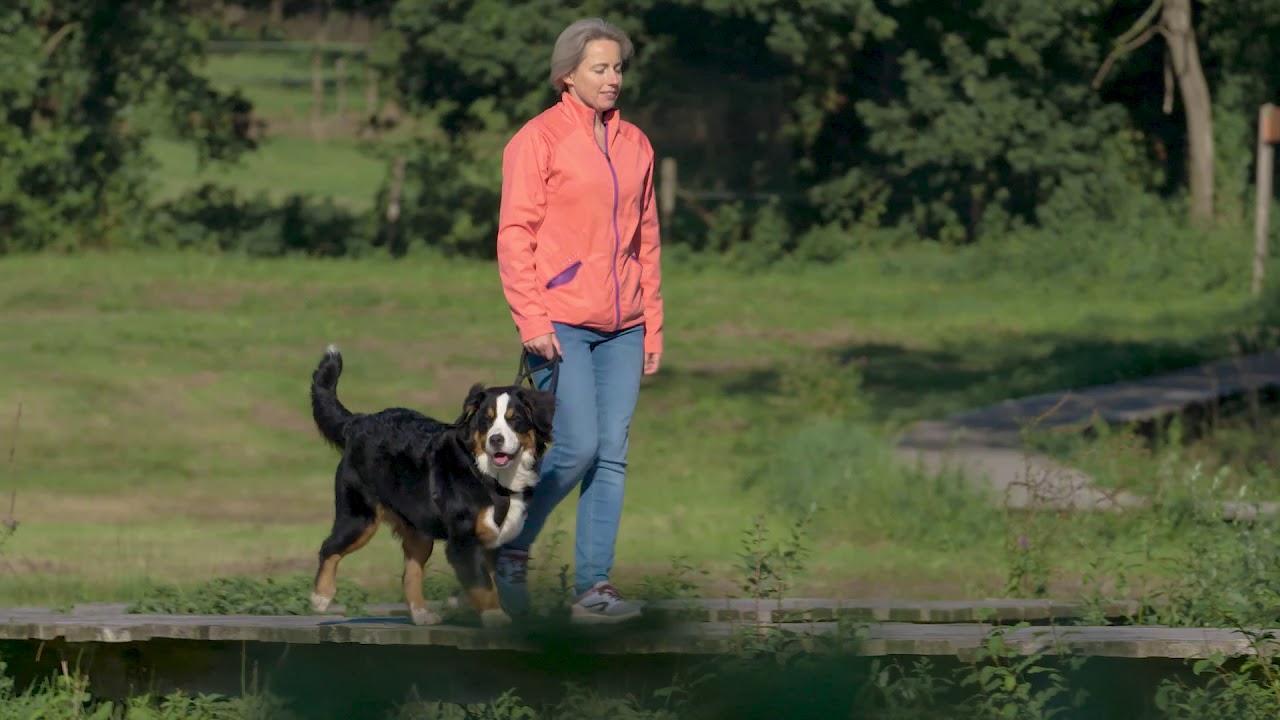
(564, 276)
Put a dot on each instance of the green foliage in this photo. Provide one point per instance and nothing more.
(988, 129)
(87, 82)
(963, 122)
(221, 219)
(577, 703)
(244, 596)
(683, 580)
(449, 56)
(452, 186)
(1144, 242)
(1010, 685)
(1247, 688)
(66, 696)
(770, 569)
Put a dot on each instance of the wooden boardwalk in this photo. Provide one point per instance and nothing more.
(989, 444)
(333, 667)
(696, 627)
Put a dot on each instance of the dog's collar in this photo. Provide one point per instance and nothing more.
(524, 494)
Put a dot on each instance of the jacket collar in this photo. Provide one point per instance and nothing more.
(585, 116)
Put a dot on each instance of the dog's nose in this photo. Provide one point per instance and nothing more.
(495, 441)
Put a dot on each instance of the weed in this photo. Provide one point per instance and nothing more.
(244, 596)
(683, 579)
(66, 696)
(9, 521)
(1248, 688)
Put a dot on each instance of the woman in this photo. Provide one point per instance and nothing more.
(578, 255)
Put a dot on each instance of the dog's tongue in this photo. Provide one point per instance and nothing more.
(501, 459)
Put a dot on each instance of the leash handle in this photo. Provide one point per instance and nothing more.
(525, 371)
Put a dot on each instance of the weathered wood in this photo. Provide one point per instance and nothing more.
(1269, 123)
(957, 639)
(728, 610)
(1149, 398)
(1268, 135)
(667, 190)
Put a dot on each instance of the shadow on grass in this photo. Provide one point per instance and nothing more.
(903, 384)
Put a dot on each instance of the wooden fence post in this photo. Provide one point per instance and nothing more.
(1268, 135)
(667, 190)
(397, 187)
(340, 71)
(370, 91)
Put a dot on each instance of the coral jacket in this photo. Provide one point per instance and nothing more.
(578, 228)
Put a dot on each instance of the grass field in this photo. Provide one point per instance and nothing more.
(344, 172)
(165, 432)
(289, 160)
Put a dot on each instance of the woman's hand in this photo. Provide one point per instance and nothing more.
(544, 346)
(651, 362)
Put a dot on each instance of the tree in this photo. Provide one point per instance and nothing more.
(1171, 19)
(86, 82)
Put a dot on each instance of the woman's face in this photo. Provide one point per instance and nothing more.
(598, 78)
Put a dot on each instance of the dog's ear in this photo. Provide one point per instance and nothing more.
(475, 397)
(542, 410)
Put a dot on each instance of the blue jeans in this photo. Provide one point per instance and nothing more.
(596, 394)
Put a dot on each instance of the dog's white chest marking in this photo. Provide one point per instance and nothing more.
(511, 526)
(513, 523)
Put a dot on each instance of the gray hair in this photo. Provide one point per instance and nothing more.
(572, 45)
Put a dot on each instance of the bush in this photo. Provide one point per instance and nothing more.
(218, 218)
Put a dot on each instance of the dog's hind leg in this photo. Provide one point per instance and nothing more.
(354, 524)
(471, 563)
(417, 551)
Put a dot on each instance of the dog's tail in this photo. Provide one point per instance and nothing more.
(328, 412)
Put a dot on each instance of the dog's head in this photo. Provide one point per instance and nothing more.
(510, 428)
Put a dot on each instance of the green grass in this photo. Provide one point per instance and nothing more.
(279, 83)
(289, 161)
(166, 435)
(165, 432)
(342, 171)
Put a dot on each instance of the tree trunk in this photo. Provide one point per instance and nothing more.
(1179, 35)
(277, 13)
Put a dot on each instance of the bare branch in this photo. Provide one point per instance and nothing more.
(57, 37)
(1121, 50)
(1167, 107)
(1140, 25)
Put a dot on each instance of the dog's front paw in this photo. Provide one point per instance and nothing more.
(494, 618)
(320, 603)
(424, 616)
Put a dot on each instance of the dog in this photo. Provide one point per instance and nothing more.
(467, 483)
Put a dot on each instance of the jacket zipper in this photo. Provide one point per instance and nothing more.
(617, 236)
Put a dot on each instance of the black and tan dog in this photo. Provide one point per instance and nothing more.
(465, 482)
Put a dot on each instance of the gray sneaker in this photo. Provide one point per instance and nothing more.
(603, 604)
(511, 570)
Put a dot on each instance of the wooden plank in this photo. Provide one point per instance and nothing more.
(708, 638)
(1148, 398)
(727, 610)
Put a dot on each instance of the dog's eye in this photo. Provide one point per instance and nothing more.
(511, 413)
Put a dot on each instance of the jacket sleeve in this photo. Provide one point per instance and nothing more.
(650, 265)
(521, 210)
